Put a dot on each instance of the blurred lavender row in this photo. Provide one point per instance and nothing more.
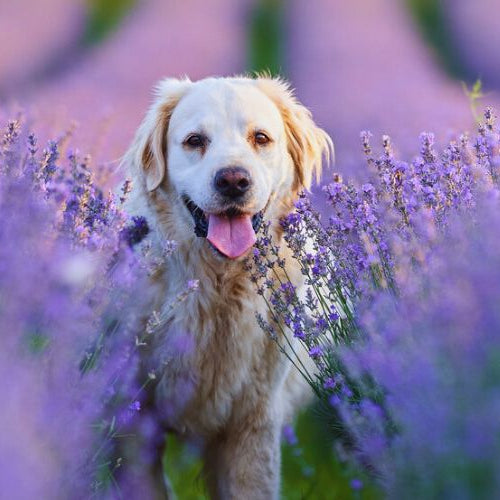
(359, 65)
(473, 28)
(108, 91)
(362, 65)
(35, 35)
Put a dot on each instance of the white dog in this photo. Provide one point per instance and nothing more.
(211, 159)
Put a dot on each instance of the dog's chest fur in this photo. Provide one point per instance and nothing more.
(217, 361)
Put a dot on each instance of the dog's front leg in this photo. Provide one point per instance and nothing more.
(243, 462)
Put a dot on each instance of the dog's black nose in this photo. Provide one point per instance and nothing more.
(232, 182)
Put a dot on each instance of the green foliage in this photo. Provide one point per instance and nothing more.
(37, 342)
(474, 94)
(265, 37)
(431, 21)
(312, 471)
(104, 16)
(183, 468)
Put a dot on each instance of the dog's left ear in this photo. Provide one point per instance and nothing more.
(149, 148)
(307, 143)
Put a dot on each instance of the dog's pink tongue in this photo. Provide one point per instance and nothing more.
(232, 236)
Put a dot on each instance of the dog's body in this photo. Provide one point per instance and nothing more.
(211, 159)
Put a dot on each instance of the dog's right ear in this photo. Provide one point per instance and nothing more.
(149, 148)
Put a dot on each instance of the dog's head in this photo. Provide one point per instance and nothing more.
(230, 152)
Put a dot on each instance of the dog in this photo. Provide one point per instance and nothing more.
(211, 160)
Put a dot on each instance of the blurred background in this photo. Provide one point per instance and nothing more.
(396, 67)
(390, 66)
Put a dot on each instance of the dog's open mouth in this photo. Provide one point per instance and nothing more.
(232, 232)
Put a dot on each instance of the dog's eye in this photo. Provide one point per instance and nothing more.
(195, 141)
(261, 138)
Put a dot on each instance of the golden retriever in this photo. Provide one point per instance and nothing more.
(210, 161)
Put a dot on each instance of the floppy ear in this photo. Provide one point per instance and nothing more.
(149, 148)
(307, 143)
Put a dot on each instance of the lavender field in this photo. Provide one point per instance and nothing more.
(402, 318)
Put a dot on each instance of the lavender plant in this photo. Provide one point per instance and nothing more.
(433, 352)
(72, 323)
(394, 310)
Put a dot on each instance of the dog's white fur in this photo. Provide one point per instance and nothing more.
(237, 387)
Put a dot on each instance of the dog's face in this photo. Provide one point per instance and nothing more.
(231, 151)
(227, 155)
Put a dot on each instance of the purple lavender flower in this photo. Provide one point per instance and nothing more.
(315, 352)
(289, 435)
(70, 361)
(135, 406)
(136, 231)
(356, 484)
(193, 285)
(432, 355)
